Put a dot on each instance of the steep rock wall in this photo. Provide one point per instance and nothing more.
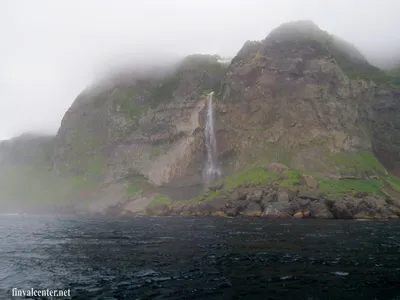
(288, 99)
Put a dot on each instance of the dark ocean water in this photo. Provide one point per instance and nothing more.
(200, 258)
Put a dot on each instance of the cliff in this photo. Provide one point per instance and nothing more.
(300, 97)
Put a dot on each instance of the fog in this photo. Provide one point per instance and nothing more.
(50, 50)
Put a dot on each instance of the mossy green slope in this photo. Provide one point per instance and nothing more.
(329, 187)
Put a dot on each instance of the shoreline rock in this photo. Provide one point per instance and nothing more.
(277, 203)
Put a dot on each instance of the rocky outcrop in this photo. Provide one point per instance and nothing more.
(284, 203)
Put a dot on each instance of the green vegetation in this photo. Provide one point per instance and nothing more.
(356, 163)
(253, 176)
(211, 67)
(164, 90)
(374, 74)
(289, 179)
(95, 166)
(330, 188)
(124, 101)
(159, 199)
(133, 189)
(137, 184)
(134, 101)
(337, 188)
(394, 182)
(249, 176)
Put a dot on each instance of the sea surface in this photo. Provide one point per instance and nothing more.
(200, 258)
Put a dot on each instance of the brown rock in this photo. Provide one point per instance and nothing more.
(368, 206)
(320, 211)
(298, 215)
(363, 215)
(341, 211)
(309, 181)
(395, 210)
(231, 211)
(210, 207)
(238, 195)
(306, 213)
(218, 214)
(252, 210)
(303, 202)
(309, 194)
(387, 212)
(270, 197)
(277, 210)
(277, 168)
(254, 196)
(394, 202)
(282, 196)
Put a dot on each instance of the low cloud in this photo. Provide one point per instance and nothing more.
(51, 50)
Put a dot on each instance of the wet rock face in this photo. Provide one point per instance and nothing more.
(385, 115)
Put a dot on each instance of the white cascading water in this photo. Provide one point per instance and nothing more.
(212, 171)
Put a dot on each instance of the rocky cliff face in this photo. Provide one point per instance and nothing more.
(287, 99)
(385, 126)
(147, 127)
(300, 97)
(294, 97)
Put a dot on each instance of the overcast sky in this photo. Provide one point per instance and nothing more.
(49, 50)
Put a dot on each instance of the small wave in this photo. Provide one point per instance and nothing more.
(338, 273)
(146, 272)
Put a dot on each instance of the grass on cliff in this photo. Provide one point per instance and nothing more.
(159, 199)
(338, 188)
(125, 99)
(356, 163)
(394, 182)
(138, 184)
(252, 176)
(290, 179)
(164, 90)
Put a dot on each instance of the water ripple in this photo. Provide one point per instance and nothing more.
(200, 258)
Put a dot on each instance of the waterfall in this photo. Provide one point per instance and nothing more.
(211, 171)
